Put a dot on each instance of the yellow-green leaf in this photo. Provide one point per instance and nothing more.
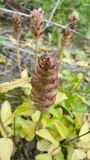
(84, 129)
(28, 132)
(25, 110)
(25, 128)
(43, 157)
(2, 59)
(59, 156)
(56, 112)
(53, 149)
(6, 148)
(60, 97)
(35, 116)
(61, 128)
(44, 133)
(9, 131)
(6, 113)
(78, 119)
(78, 154)
(43, 145)
(7, 86)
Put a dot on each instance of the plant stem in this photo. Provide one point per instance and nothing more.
(71, 141)
(78, 137)
(3, 127)
(60, 54)
(14, 132)
(36, 51)
(18, 54)
(39, 120)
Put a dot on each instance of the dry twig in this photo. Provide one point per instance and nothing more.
(54, 10)
(47, 21)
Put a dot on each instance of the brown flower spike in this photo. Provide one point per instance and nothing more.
(67, 33)
(16, 19)
(45, 82)
(37, 22)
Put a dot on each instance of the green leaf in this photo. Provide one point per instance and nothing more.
(83, 99)
(59, 156)
(56, 112)
(2, 60)
(78, 120)
(60, 97)
(28, 132)
(45, 120)
(88, 87)
(79, 107)
(61, 128)
(6, 113)
(21, 123)
(70, 152)
(7, 119)
(35, 116)
(43, 157)
(44, 133)
(6, 148)
(2, 38)
(25, 128)
(53, 149)
(25, 110)
(68, 75)
(67, 117)
(43, 145)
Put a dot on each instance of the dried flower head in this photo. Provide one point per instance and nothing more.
(16, 18)
(67, 32)
(74, 16)
(44, 82)
(37, 22)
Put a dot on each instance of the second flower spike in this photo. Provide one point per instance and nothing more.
(37, 22)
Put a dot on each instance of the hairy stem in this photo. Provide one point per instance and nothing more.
(36, 51)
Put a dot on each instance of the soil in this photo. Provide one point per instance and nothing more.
(25, 150)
